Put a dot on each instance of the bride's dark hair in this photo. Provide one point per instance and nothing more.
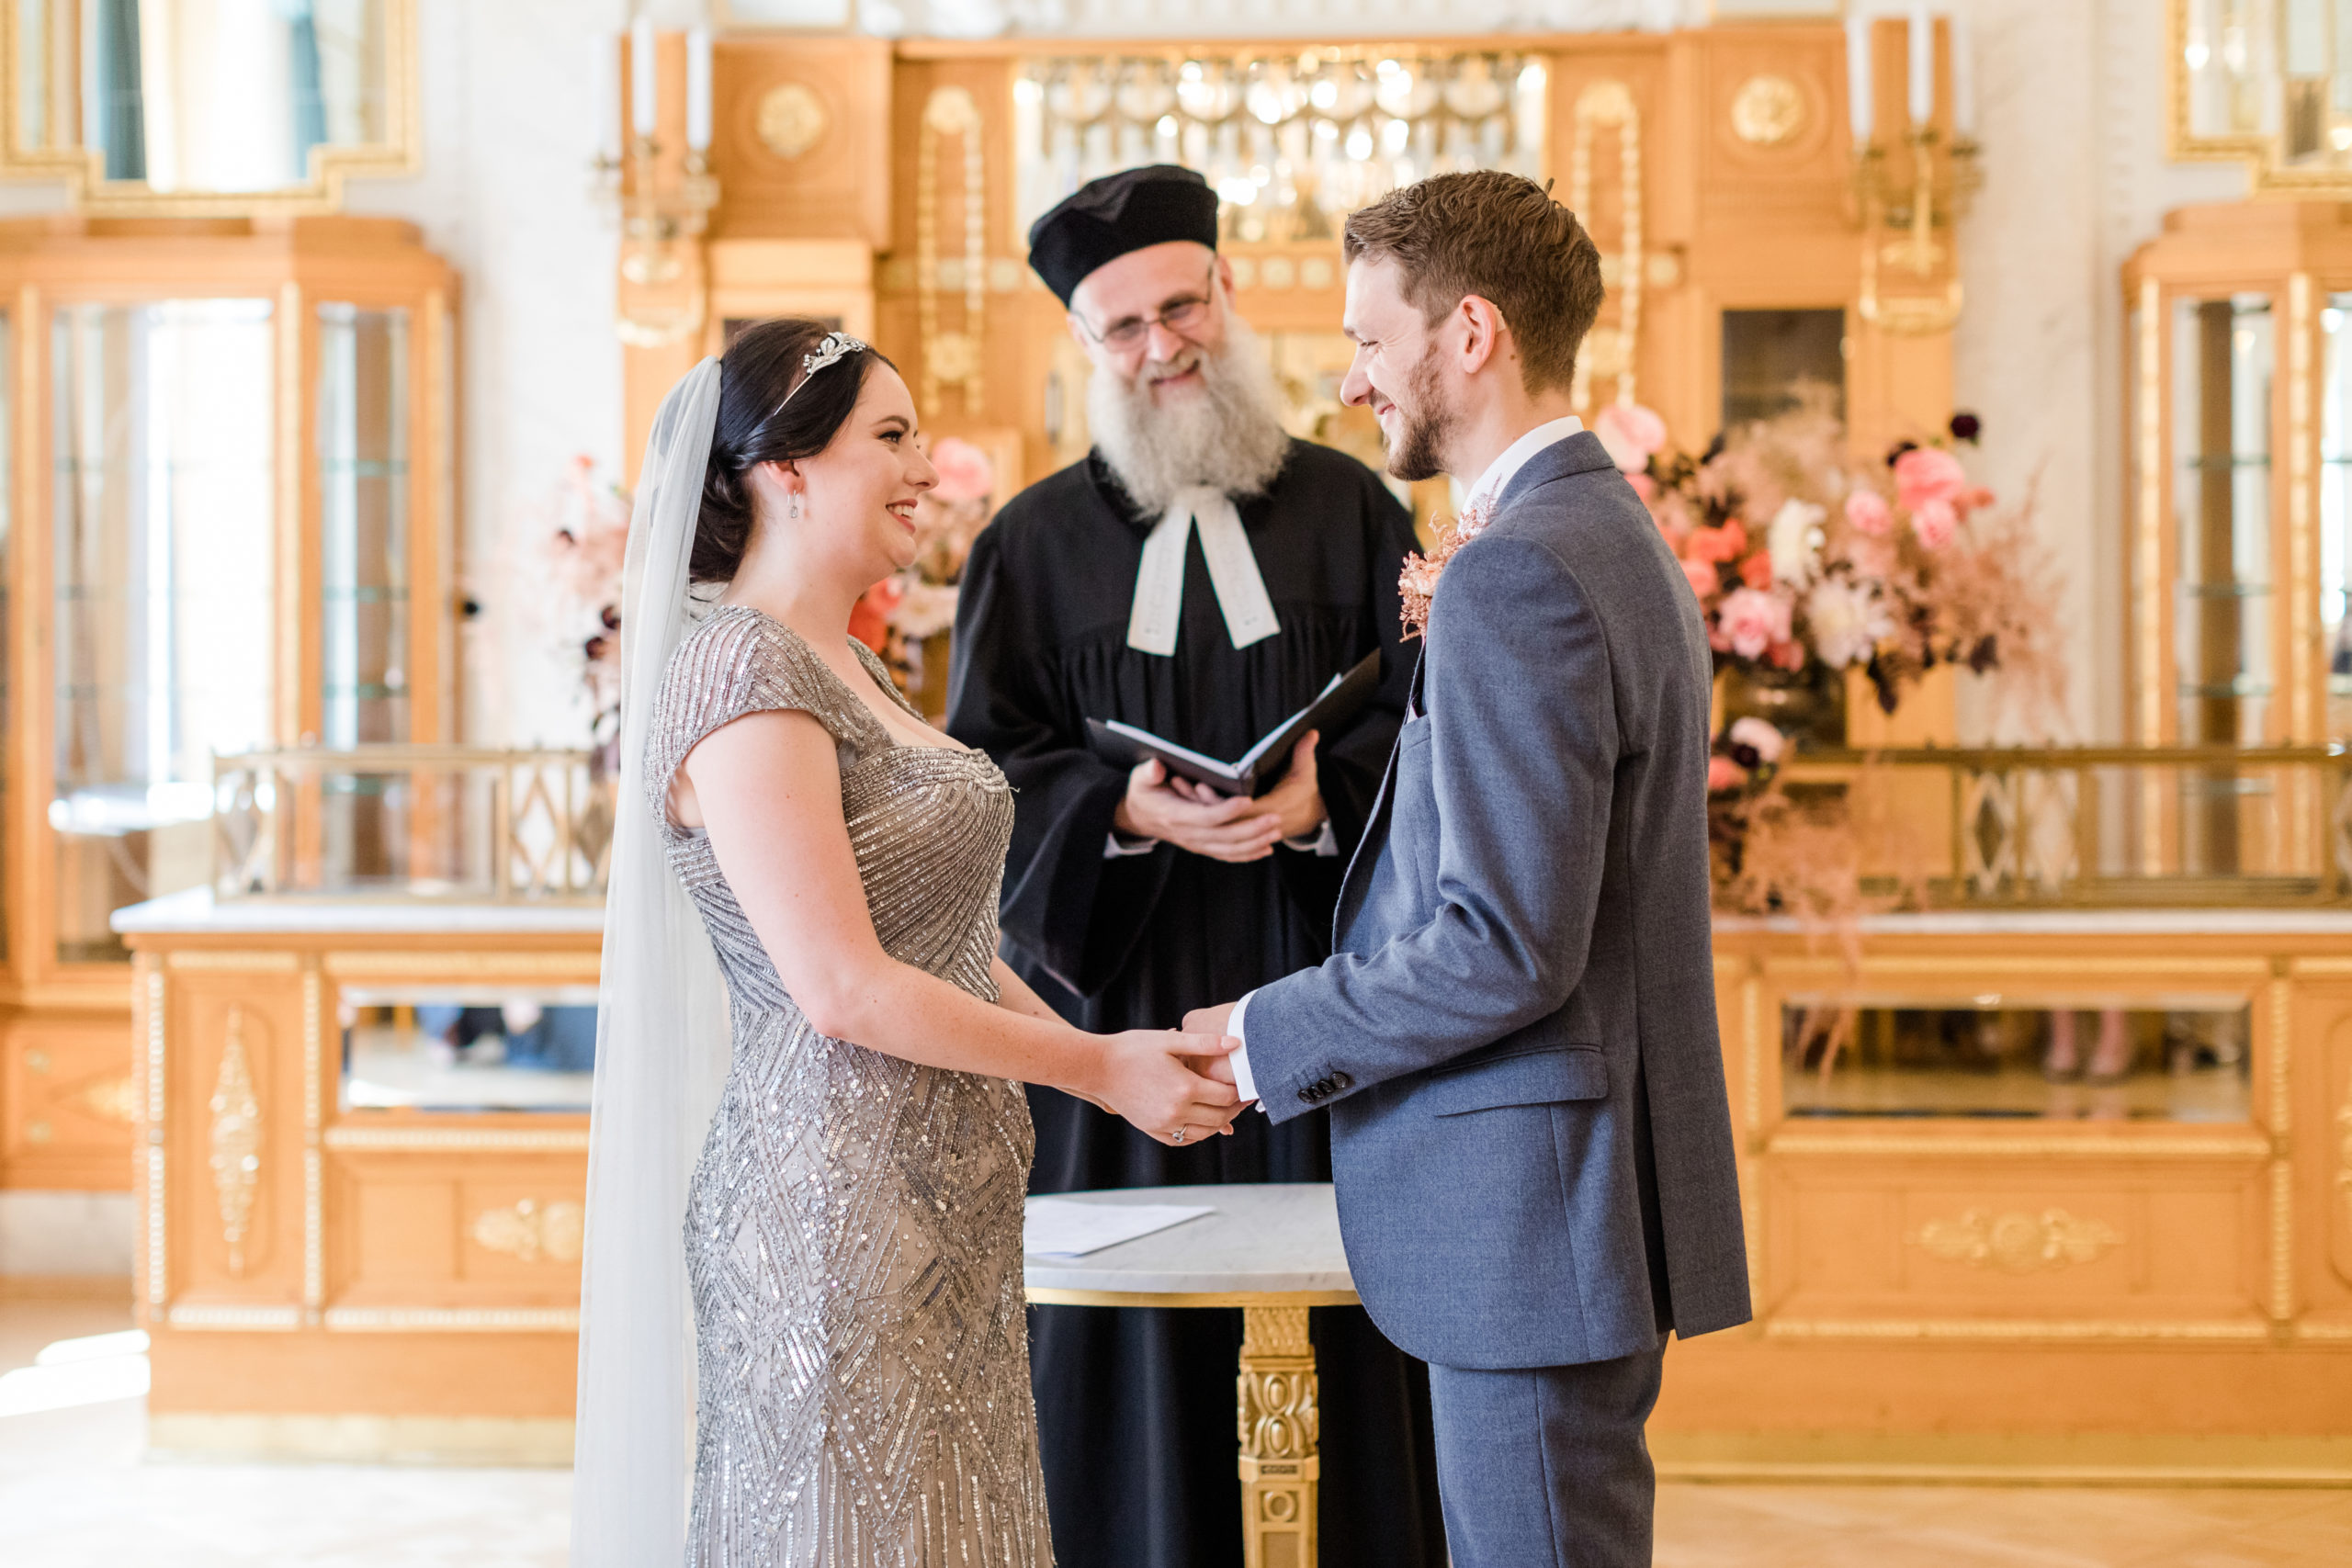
(756, 425)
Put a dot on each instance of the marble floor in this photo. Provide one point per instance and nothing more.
(74, 1492)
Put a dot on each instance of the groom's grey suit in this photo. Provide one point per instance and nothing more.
(1516, 1033)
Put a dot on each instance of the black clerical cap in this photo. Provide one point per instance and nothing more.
(1118, 213)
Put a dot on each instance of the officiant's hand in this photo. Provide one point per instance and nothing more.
(1152, 1077)
(1296, 799)
(1211, 1020)
(1175, 811)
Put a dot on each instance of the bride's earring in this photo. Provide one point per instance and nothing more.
(796, 506)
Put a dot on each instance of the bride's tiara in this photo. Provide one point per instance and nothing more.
(836, 347)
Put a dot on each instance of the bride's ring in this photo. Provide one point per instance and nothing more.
(1178, 1136)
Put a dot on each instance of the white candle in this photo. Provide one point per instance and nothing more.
(641, 74)
(1857, 76)
(699, 89)
(1923, 65)
(1964, 75)
(604, 70)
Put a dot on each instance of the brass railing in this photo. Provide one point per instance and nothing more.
(2102, 826)
(435, 822)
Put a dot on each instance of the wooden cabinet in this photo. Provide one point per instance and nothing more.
(230, 459)
(348, 1244)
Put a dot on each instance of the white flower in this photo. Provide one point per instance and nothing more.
(1846, 620)
(1793, 537)
(1759, 737)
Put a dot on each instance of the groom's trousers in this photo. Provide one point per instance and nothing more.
(1546, 1467)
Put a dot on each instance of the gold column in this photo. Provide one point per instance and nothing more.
(1279, 1464)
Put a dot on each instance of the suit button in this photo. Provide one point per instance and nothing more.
(1308, 1094)
(1338, 1080)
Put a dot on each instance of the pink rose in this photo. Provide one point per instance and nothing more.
(964, 473)
(1867, 512)
(1871, 557)
(1756, 570)
(1752, 622)
(1723, 774)
(1925, 474)
(1703, 577)
(1629, 433)
(1935, 521)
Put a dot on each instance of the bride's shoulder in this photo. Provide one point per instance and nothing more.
(737, 656)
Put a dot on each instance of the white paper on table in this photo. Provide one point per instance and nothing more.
(1057, 1228)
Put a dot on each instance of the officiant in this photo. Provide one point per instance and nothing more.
(1200, 575)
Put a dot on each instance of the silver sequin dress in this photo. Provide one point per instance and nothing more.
(854, 1224)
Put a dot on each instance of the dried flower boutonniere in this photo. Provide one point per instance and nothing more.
(1416, 584)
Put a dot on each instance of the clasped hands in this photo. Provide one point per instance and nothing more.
(1234, 828)
(1175, 1085)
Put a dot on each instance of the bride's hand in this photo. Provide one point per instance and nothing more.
(1142, 1075)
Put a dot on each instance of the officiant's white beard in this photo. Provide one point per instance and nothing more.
(1230, 436)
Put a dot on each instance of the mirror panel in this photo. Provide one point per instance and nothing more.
(159, 102)
(456, 1048)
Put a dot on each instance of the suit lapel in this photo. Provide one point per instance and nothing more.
(1358, 879)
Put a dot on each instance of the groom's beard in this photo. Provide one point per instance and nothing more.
(1228, 435)
(1424, 425)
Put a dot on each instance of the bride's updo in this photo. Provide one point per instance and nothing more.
(756, 425)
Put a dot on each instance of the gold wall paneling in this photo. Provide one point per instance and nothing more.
(235, 1140)
(2016, 1239)
(172, 112)
(2257, 85)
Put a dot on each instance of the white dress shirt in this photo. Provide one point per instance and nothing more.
(1491, 484)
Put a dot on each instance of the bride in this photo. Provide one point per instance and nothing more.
(850, 1235)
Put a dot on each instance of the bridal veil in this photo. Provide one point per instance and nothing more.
(661, 1058)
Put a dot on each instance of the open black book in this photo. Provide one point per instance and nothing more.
(1124, 746)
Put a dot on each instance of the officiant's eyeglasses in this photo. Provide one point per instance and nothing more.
(1183, 315)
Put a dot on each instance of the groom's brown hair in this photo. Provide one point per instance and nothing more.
(1502, 238)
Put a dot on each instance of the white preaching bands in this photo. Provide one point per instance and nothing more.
(1159, 609)
(1233, 574)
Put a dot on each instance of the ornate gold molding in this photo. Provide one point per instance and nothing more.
(1280, 1425)
(2017, 1242)
(951, 359)
(369, 964)
(532, 1232)
(455, 1140)
(152, 1113)
(236, 1139)
(235, 1319)
(453, 1320)
(1610, 350)
(2302, 672)
(237, 961)
(313, 1161)
(2009, 1328)
(2013, 1145)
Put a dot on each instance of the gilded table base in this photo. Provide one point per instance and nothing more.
(1278, 1417)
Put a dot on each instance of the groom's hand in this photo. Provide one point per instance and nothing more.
(1210, 1021)
(1225, 828)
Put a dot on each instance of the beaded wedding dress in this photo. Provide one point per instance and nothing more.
(854, 1223)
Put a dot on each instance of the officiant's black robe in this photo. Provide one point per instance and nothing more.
(1136, 1407)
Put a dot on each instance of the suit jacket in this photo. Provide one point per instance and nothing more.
(1516, 1033)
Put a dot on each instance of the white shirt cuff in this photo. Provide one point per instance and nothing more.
(1322, 842)
(1116, 847)
(1242, 1081)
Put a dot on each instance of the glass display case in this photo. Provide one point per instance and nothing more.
(228, 530)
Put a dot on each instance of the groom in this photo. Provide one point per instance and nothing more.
(1516, 1034)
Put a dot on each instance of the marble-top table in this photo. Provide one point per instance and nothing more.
(1273, 1250)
